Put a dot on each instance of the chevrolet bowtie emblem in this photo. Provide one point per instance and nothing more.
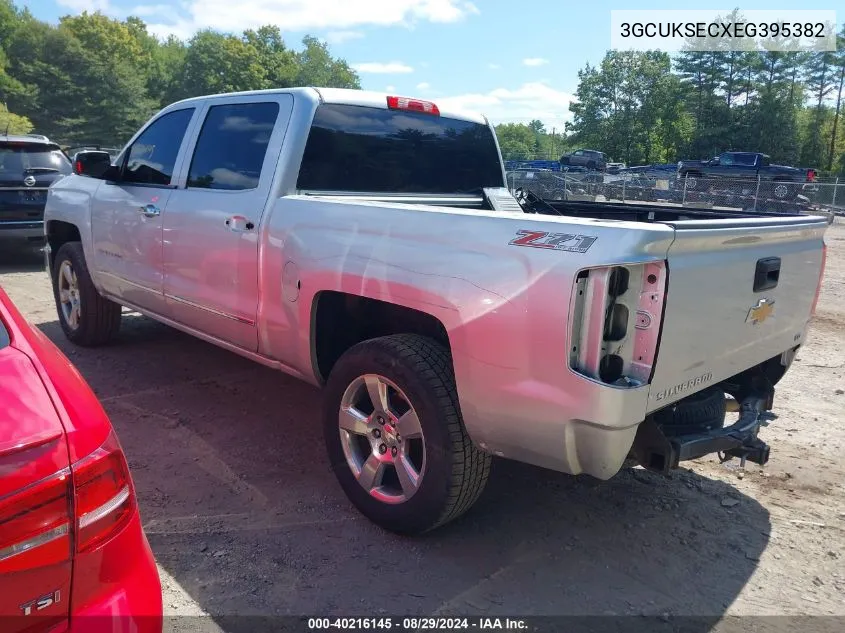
(760, 312)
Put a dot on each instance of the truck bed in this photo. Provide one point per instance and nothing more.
(650, 212)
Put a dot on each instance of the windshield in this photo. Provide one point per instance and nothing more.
(18, 160)
(372, 150)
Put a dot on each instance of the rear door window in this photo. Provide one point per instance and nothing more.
(372, 150)
(232, 145)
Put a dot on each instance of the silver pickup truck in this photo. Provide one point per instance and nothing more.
(366, 243)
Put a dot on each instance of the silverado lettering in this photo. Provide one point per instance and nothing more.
(684, 386)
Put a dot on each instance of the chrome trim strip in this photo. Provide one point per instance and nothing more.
(104, 510)
(131, 283)
(36, 541)
(211, 310)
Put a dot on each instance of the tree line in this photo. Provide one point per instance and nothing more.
(645, 107)
(92, 79)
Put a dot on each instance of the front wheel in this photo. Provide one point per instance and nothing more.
(395, 437)
(86, 317)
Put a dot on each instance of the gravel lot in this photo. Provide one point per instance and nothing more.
(245, 517)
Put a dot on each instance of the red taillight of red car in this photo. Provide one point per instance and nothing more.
(35, 524)
(811, 175)
(104, 498)
(86, 504)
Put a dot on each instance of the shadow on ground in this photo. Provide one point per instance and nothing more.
(20, 258)
(241, 509)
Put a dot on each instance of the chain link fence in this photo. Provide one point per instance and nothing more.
(663, 186)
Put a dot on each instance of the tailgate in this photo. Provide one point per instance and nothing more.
(739, 292)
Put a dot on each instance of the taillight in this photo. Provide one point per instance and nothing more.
(811, 175)
(413, 105)
(615, 322)
(821, 275)
(35, 524)
(104, 498)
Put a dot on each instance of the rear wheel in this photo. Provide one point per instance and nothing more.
(86, 317)
(395, 437)
(782, 190)
(691, 181)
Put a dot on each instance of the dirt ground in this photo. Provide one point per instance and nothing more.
(245, 517)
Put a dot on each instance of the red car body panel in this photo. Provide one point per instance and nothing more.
(73, 554)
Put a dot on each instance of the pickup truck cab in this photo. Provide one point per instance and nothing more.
(780, 180)
(366, 243)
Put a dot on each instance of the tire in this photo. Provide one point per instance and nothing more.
(591, 165)
(698, 413)
(452, 471)
(98, 319)
(691, 180)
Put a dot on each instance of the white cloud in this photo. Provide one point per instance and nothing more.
(493, 66)
(534, 61)
(423, 85)
(533, 100)
(339, 37)
(86, 5)
(390, 89)
(382, 68)
(302, 15)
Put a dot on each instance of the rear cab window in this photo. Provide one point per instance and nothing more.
(20, 159)
(360, 149)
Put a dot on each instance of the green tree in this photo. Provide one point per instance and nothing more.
(13, 123)
(839, 69)
(216, 63)
(279, 63)
(318, 68)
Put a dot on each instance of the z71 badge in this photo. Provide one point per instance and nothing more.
(554, 241)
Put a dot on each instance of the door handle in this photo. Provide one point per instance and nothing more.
(766, 274)
(239, 224)
(150, 210)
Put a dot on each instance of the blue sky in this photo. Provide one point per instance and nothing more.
(511, 63)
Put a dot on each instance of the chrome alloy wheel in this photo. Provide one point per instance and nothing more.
(69, 298)
(382, 439)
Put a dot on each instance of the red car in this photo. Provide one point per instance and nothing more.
(73, 555)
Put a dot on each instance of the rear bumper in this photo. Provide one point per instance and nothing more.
(122, 582)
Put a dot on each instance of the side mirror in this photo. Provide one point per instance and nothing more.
(93, 163)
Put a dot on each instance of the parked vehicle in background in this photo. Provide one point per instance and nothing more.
(589, 158)
(448, 321)
(73, 556)
(783, 182)
(29, 164)
(74, 150)
(615, 168)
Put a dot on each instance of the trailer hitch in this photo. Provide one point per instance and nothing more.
(657, 452)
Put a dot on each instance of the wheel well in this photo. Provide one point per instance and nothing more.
(60, 233)
(341, 320)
